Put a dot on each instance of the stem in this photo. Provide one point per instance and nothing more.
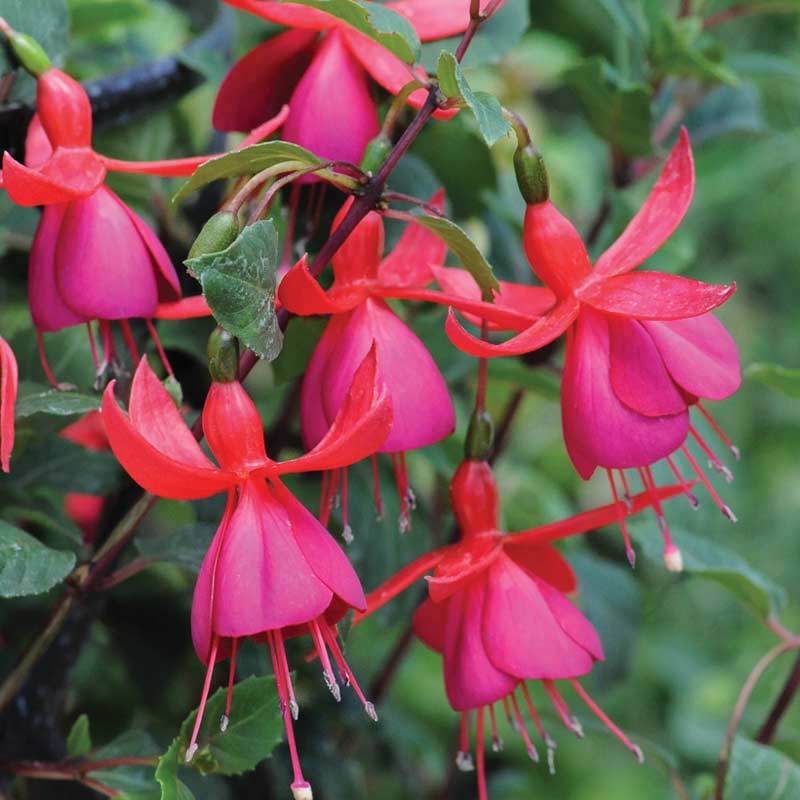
(399, 197)
(502, 434)
(397, 107)
(123, 573)
(745, 9)
(741, 704)
(483, 374)
(767, 731)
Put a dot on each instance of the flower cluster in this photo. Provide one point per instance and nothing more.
(642, 350)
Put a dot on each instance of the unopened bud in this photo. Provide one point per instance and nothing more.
(480, 437)
(375, 154)
(28, 51)
(223, 356)
(534, 185)
(217, 234)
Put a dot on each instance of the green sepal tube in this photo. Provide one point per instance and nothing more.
(29, 53)
(532, 179)
(480, 437)
(375, 154)
(218, 233)
(223, 356)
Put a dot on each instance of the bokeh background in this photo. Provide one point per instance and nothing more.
(593, 79)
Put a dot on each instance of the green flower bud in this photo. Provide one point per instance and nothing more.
(223, 356)
(480, 437)
(532, 179)
(218, 233)
(29, 53)
(375, 154)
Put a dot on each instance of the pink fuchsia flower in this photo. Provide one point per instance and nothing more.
(92, 258)
(321, 57)
(642, 347)
(364, 280)
(272, 570)
(496, 610)
(85, 509)
(9, 382)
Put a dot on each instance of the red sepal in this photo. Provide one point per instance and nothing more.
(436, 20)
(300, 293)
(66, 175)
(186, 308)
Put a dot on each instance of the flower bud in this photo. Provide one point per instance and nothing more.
(474, 497)
(28, 51)
(532, 179)
(375, 154)
(480, 437)
(223, 356)
(218, 233)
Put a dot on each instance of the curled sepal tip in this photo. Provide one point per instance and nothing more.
(217, 234)
(223, 356)
(480, 437)
(28, 51)
(532, 179)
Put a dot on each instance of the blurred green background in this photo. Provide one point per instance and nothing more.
(592, 78)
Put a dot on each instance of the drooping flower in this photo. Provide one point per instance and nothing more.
(85, 509)
(642, 347)
(320, 58)
(9, 381)
(93, 258)
(364, 279)
(272, 570)
(497, 613)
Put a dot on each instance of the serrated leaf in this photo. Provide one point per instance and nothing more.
(137, 780)
(463, 248)
(710, 560)
(248, 161)
(27, 566)
(239, 286)
(172, 788)
(381, 24)
(53, 402)
(756, 772)
(486, 108)
(255, 728)
(79, 742)
(618, 111)
(186, 546)
(782, 379)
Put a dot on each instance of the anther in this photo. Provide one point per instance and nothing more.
(347, 534)
(464, 761)
(224, 721)
(190, 751)
(371, 712)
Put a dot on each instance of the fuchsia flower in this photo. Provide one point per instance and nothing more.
(497, 613)
(9, 381)
(92, 258)
(364, 279)
(272, 570)
(321, 58)
(642, 348)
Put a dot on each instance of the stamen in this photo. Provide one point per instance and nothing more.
(290, 224)
(93, 348)
(109, 350)
(324, 498)
(629, 551)
(463, 757)
(690, 495)
(533, 753)
(347, 531)
(376, 487)
(294, 708)
(401, 481)
(600, 714)
(713, 461)
(198, 720)
(509, 718)
(497, 742)
(560, 705)
(130, 342)
(479, 748)
(225, 719)
(707, 483)
(157, 342)
(673, 560)
(346, 673)
(626, 496)
(718, 430)
(327, 668)
(537, 722)
(51, 379)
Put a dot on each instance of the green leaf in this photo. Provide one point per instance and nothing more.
(172, 788)
(53, 402)
(135, 780)
(381, 24)
(486, 108)
(727, 109)
(714, 562)
(514, 371)
(255, 728)
(756, 772)
(91, 17)
(463, 248)
(782, 379)
(79, 742)
(239, 286)
(248, 161)
(27, 566)
(301, 338)
(186, 546)
(618, 111)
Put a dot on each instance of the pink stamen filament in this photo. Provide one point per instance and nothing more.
(497, 742)
(347, 675)
(327, 667)
(537, 722)
(479, 748)
(629, 551)
(718, 430)
(226, 717)
(212, 661)
(562, 709)
(280, 649)
(130, 342)
(401, 481)
(626, 497)
(523, 731)
(603, 717)
(376, 486)
(324, 504)
(157, 342)
(690, 495)
(464, 758)
(672, 555)
(707, 483)
(716, 464)
(347, 531)
(51, 378)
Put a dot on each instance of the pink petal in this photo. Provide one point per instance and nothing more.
(599, 430)
(260, 83)
(435, 20)
(319, 549)
(9, 383)
(90, 281)
(700, 355)
(470, 678)
(333, 82)
(430, 624)
(520, 632)
(358, 258)
(572, 622)
(263, 581)
(407, 369)
(48, 310)
(658, 218)
(638, 375)
(653, 295)
(290, 14)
